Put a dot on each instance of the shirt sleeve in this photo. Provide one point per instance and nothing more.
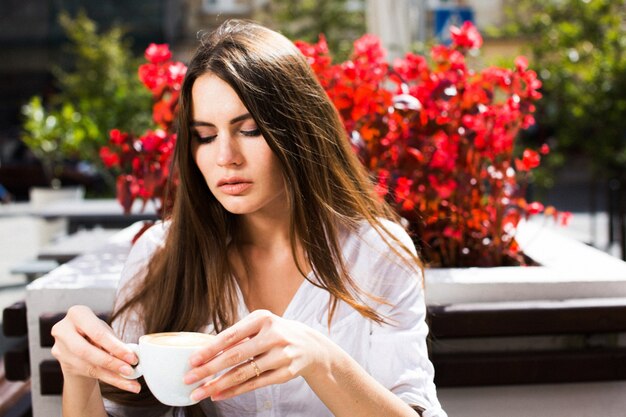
(398, 355)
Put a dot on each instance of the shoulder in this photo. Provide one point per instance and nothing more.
(380, 255)
(152, 238)
(383, 238)
(148, 243)
(142, 251)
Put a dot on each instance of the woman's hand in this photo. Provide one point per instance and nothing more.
(262, 349)
(87, 349)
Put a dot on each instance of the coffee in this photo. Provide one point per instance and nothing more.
(178, 339)
(164, 361)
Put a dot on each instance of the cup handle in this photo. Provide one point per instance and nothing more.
(137, 371)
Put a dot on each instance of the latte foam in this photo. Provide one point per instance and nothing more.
(183, 339)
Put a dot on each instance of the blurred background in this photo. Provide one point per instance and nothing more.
(68, 75)
(76, 60)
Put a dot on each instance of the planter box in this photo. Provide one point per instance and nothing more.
(568, 269)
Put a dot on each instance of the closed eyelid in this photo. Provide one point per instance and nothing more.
(236, 120)
(249, 126)
(205, 132)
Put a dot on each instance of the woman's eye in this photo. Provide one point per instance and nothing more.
(252, 132)
(204, 139)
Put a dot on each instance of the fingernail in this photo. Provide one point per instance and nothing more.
(196, 395)
(126, 370)
(130, 358)
(217, 397)
(190, 378)
(194, 360)
(135, 388)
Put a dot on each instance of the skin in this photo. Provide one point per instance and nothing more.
(228, 145)
(87, 350)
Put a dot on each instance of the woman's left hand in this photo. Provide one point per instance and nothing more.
(262, 349)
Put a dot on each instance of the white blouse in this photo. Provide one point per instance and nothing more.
(394, 354)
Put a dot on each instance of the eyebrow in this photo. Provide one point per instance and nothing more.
(237, 119)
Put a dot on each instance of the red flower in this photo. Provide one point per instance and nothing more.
(317, 54)
(152, 76)
(403, 189)
(444, 188)
(534, 208)
(109, 158)
(521, 63)
(116, 137)
(151, 141)
(566, 217)
(530, 159)
(157, 54)
(467, 36)
(445, 156)
(176, 73)
(452, 233)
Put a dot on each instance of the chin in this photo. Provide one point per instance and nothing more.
(238, 208)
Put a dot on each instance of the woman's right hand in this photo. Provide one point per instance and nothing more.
(86, 348)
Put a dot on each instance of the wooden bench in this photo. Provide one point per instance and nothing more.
(486, 322)
(15, 365)
(589, 349)
(14, 395)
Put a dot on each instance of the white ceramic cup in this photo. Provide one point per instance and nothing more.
(164, 361)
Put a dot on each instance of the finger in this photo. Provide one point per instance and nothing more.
(245, 372)
(95, 356)
(101, 334)
(77, 366)
(111, 378)
(276, 376)
(246, 328)
(229, 358)
(236, 376)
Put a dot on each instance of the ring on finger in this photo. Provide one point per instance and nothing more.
(257, 371)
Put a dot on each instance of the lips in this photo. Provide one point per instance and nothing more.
(234, 185)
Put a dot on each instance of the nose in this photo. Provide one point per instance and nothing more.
(228, 152)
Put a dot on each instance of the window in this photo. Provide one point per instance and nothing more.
(226, 6)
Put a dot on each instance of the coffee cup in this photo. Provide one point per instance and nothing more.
(164, 361)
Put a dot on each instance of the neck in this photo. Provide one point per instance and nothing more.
(264, 231)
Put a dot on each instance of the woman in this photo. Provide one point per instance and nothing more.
(278, 244)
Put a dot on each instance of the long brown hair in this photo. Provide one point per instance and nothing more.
(190, 280)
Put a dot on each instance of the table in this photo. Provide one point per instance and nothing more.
(107, 213)
(66, 248)
(85, 214)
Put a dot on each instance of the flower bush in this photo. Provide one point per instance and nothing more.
(438, 138)
(142, 164)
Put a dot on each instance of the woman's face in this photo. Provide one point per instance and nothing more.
(239, 167)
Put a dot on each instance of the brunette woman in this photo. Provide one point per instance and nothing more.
(278, 244)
